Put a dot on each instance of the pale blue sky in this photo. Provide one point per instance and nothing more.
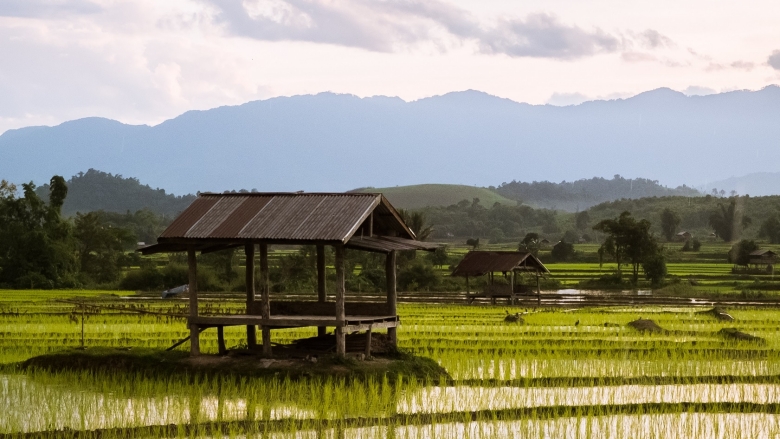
(146, 61)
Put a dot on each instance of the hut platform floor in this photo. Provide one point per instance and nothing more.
(350, 323)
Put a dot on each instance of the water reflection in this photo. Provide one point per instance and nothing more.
(461, 398)
(27, 405)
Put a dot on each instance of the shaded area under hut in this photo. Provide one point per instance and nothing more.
(359, 221)
(509, 264)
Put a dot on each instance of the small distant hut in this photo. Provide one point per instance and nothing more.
(683, 236)
(763, 258)
(360, 221)
(508, 263)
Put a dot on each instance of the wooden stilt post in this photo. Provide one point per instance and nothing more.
(468, 294)
(265, 290)
(321, 279)
(251, 332)
(192, 263)
(221, 340)
(368, 343)
(538, 290)
(512, 288)
(341, 348)
(392, 294)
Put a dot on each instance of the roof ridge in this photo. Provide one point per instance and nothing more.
(260, 194)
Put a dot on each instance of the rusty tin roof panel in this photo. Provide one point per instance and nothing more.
(191, 215)
(232, 225)
(215, 217)
(275, 216)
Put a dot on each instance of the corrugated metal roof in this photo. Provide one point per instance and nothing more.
(477, 263)
(282, 217)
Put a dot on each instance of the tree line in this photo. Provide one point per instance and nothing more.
(41, 248)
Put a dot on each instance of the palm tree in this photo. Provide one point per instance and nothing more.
(417, 222)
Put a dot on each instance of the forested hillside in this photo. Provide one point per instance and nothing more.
(582, 194)
(694, 212)
(749, 217)
(431, 195)
(95, 190)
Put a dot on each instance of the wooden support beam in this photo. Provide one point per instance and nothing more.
(512, 288)
(321, 283)
(192, 263)
(251, 332)
(280, 322)
(468, 294)
(392, 294)
(340, 293)
(538, 290)
(265, 290)
(368, 343)
(221, 340)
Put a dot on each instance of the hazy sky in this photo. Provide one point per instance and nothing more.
(145, 61)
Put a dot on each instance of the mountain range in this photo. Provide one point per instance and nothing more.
(331, 142)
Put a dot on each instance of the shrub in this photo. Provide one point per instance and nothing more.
(145, 279)
(562, 251)
(740, 252)
(655, 269)
(418, 276)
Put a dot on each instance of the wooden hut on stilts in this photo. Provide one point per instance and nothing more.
(360, 221)
(509, 263)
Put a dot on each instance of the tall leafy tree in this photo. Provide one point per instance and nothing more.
(770, 229)
(100, 246)
(629, 241)
(670, 220)
(36, 247)
(582, 219)
(530, 243)
(728, 220)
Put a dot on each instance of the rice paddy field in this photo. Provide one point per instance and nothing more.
(563, 372)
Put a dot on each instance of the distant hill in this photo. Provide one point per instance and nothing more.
(331, 142)
(96, 190)
(755, 184)
(430, 195)
(582, 194)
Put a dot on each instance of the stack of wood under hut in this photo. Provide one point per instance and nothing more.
(510, 264)
(359, 221)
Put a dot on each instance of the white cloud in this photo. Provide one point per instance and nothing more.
(142, 61)
(696, 90)
(566, 99)
(774, 60)
(390, 25)
(47, 8)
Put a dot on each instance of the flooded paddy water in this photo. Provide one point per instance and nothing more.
(29, 406)
(563, 373)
